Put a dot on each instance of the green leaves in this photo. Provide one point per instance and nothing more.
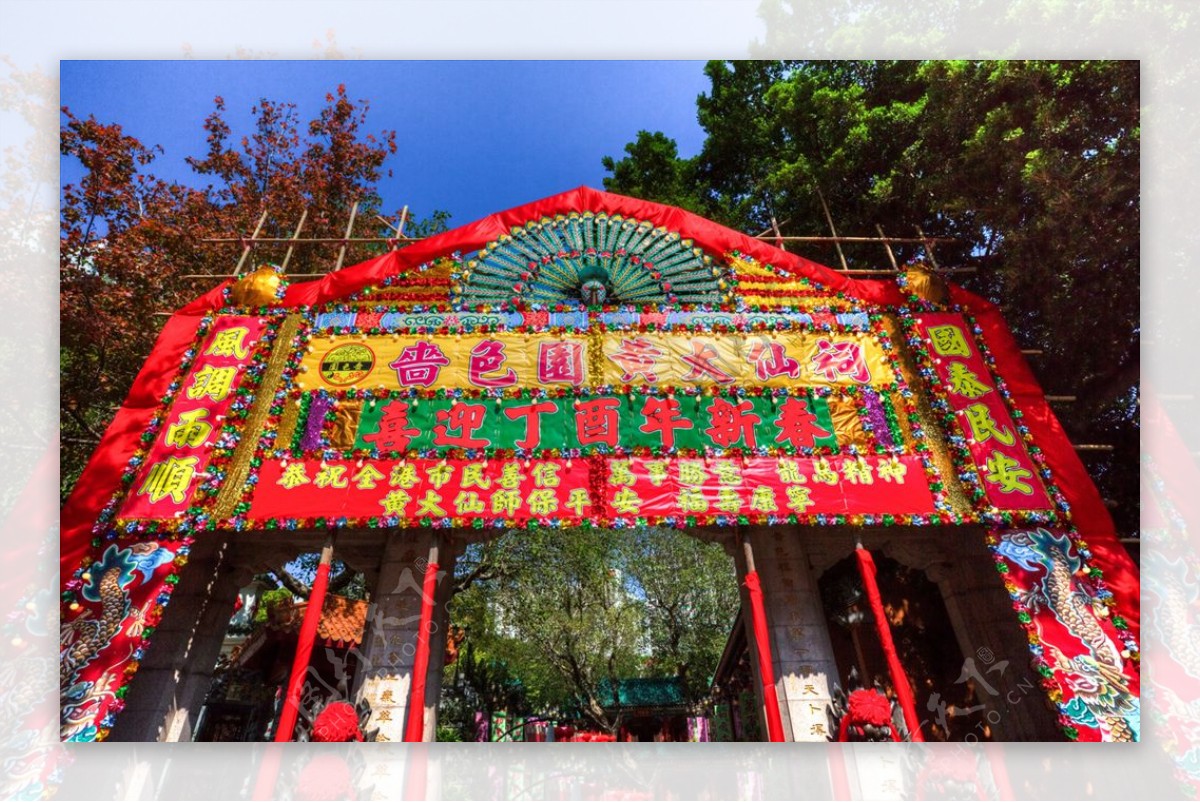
(1032, 166)
(570, 612)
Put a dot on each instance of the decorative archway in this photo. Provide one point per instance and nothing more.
(532, 369)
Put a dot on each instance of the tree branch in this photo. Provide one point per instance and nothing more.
(1101, 388)
(285, 579)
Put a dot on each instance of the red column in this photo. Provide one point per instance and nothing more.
(308, 633)
(762, 644)
(414, 730)
(866, 567)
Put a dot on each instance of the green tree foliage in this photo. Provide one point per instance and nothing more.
(690, 600)
(1032, 168)
(572, 612)
(652, 168)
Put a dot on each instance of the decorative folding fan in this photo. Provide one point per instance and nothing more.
(593, 259)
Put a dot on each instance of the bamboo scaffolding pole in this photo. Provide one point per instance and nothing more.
(887, 246)
(771, 228)
(850, 272)
(928, 243)
(399, 229)
(248, 244)
(346, 240)
(297, 239)
(778, 241)
(832, 230)
(295, 235)
(305, 240)
(908, 240)
(854, 271)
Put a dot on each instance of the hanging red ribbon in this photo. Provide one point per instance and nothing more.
(866, 567)
(304, 645)
(414, 731)
(758, 618)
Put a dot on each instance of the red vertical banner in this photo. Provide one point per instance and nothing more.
(182, 448)
(414, 727)
(117, 602)
(1007, 472)
(1083, 651)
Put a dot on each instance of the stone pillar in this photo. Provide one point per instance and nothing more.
(169, 689)
(989, 634)
(800, 647)
(390, 642)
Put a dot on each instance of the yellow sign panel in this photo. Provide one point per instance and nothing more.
(771, 360)
(490, 361)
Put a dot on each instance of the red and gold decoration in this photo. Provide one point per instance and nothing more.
(588, 360)
(1082, 648)
(1001, 463)
(180, 453)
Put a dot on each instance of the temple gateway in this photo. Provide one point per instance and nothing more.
(595, 360)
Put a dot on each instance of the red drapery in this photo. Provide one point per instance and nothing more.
(1088, 512)
(866, 567)
(414, 731)
(766, 669)
(308, 633)
(102, 477)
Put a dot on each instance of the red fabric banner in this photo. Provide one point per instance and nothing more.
(422, 488)
(171, 469)
(1088, 512)
(1082, 656)
(765, 486)
(1007, 472)
(101, 478)
(566, 490)
(414, 728)
(119, 599)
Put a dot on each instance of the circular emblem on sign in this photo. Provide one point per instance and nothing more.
(347, 364)
(593, 292)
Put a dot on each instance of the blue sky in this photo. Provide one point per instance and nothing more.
(475, 137)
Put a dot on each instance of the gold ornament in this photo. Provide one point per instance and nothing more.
(926, 284)
(260, 288)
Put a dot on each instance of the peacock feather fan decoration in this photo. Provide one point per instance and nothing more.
(591, 259)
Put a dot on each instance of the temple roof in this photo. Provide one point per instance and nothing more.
(342, 620)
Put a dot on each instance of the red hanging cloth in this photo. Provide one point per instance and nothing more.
(866, 567)
(414, 731)
(304, 645)
(758, 618)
